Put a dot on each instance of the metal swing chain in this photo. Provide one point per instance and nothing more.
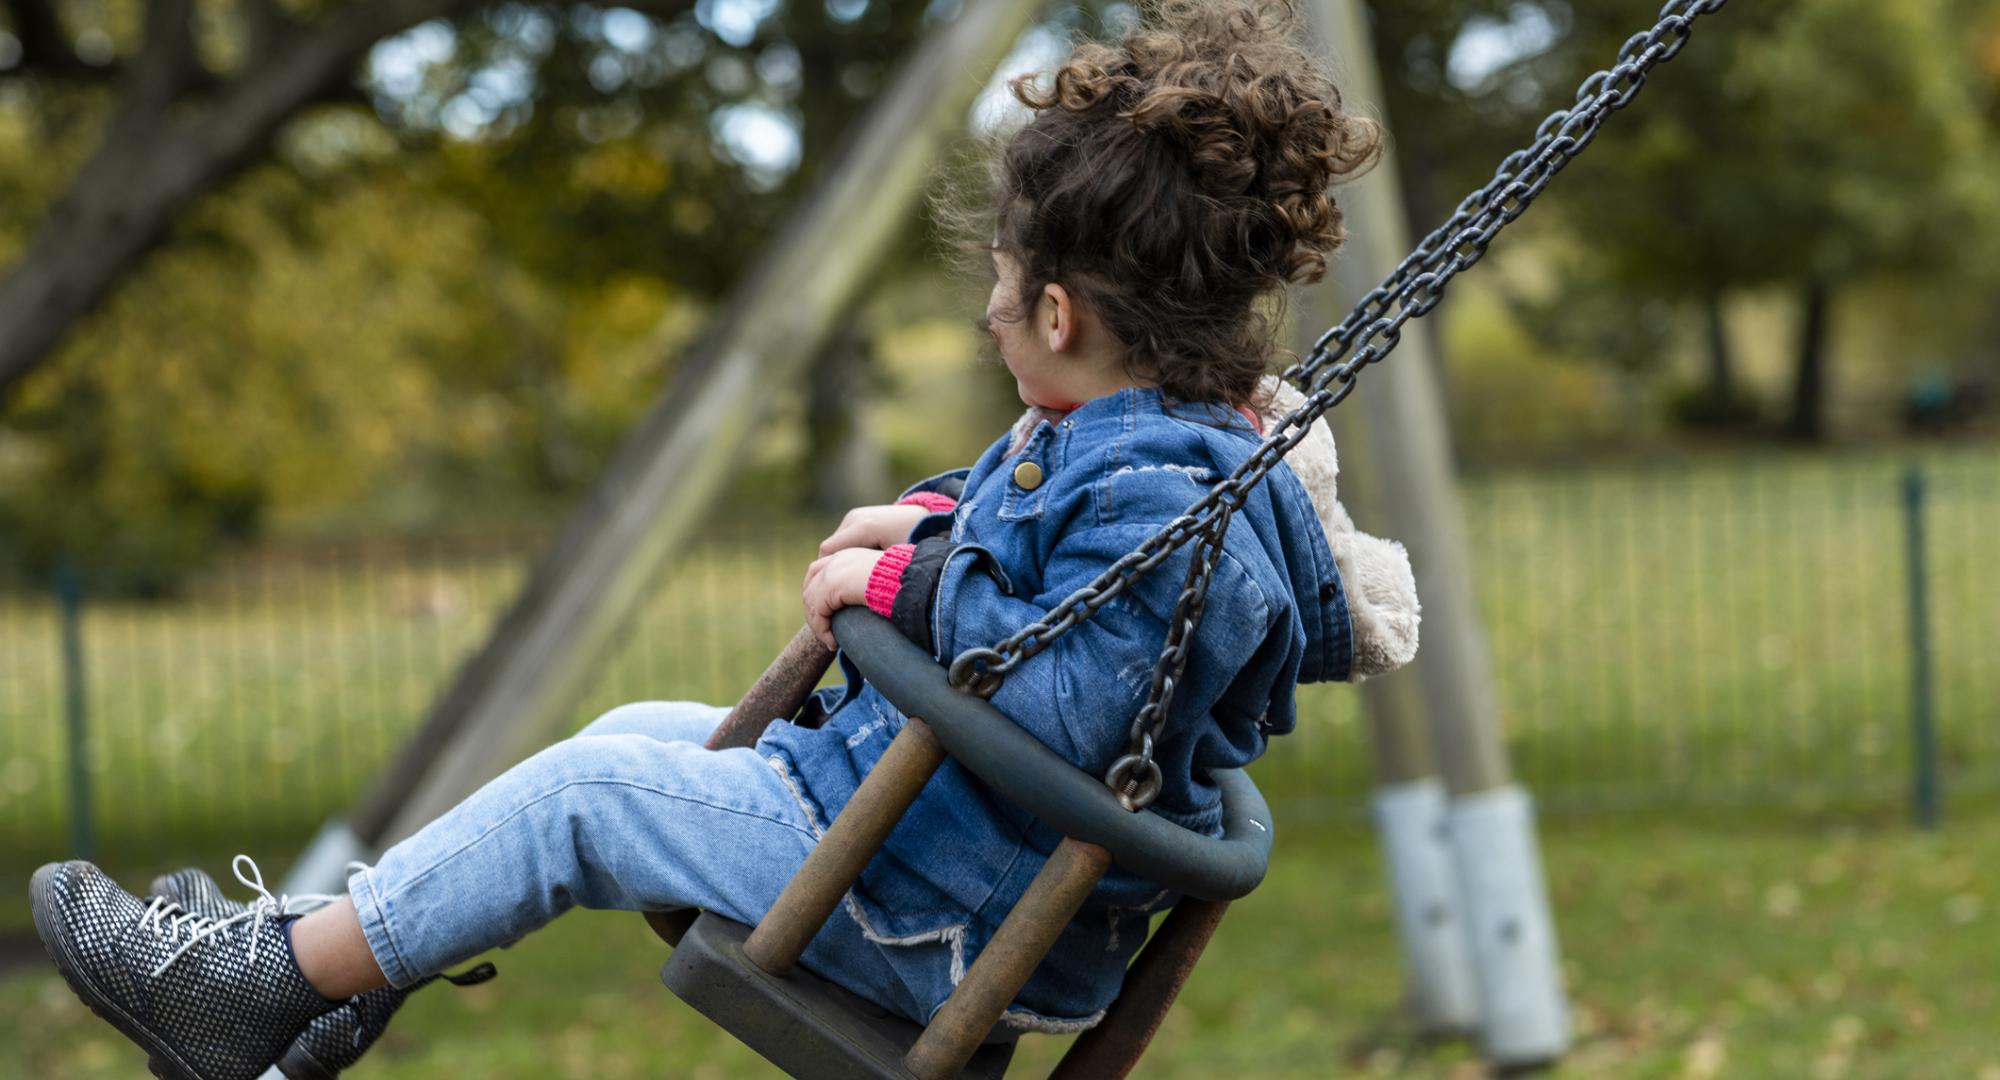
(1135, 778)
(1375, 325)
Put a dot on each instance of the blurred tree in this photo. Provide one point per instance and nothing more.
(185, 115)
(1809, 145)
(1447, 129)
(627, 104)
(669, 147)
(846, 463)
(492, 241)
(1445, 125)
(222, 388)
(627, 144)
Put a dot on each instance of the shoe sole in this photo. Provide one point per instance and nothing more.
(160, 1059)
(297, 1064)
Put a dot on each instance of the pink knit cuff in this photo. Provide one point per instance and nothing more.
(887, 578)
(930, 500)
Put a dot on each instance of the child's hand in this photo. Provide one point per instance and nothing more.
(835, 581)
(873, 527)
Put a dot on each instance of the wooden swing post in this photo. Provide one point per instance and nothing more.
(779, 693)
(1025, 937)
(837, 860)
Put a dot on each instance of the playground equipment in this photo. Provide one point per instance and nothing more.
(746, 978)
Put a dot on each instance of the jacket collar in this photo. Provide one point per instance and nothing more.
(1138, 400)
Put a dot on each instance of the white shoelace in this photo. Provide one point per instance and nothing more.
(169, 919)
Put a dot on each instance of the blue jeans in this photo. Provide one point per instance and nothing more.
(631, 814)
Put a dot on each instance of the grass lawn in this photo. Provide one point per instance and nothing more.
(1682, 640)
(1716, 633)
(1703, 946)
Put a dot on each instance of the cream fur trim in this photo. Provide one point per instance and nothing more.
(1381, 592)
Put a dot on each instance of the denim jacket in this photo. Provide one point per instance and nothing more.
(1112, 473)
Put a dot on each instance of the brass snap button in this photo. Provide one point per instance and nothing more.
(1028, 475)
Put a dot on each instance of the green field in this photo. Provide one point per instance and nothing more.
(1721, 636)
(1711, 947)
(1717, 633)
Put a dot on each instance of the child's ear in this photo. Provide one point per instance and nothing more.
(1058, 318)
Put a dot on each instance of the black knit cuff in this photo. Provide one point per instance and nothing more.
(918, 595)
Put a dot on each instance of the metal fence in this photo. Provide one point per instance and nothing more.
(1717, 633)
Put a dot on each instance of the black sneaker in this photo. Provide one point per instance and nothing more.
(332, 1042)
(208, 999)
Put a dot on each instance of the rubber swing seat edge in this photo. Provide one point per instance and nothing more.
(810, 1028)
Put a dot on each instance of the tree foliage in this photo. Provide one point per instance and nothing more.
(1829, 139)
(462, 267)
(283, 356)
(1798, 144)
(481, 273)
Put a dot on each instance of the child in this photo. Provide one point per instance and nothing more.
(1166, 189)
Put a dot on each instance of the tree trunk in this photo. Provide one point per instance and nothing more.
(1721, 362)
(1809, 380)
(845, 461)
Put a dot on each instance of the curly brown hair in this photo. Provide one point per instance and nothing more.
(1175, 182)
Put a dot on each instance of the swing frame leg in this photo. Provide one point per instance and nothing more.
(1111, 1050)
(1024, 938)
(837, 860)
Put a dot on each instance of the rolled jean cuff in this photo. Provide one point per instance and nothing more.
(374, 915)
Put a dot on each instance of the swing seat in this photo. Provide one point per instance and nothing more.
(800, 1023)
(747, 981)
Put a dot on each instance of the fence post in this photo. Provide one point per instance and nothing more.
(1926, 796)
(69, 601)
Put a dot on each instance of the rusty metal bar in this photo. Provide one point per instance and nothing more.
(888, 790)
(1111, 1050)
(1003, 967)
(777, 693)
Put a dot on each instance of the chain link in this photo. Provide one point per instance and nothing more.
(1327, 375)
